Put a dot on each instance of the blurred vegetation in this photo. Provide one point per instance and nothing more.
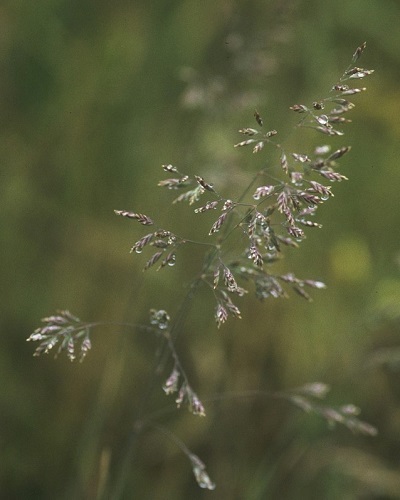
(95, 96)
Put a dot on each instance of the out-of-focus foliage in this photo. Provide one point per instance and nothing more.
(94, 97)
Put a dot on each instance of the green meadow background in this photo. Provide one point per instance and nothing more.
(94, 97)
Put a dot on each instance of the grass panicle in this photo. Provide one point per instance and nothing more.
(275, 212)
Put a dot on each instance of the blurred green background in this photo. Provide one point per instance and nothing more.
(95, 96)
